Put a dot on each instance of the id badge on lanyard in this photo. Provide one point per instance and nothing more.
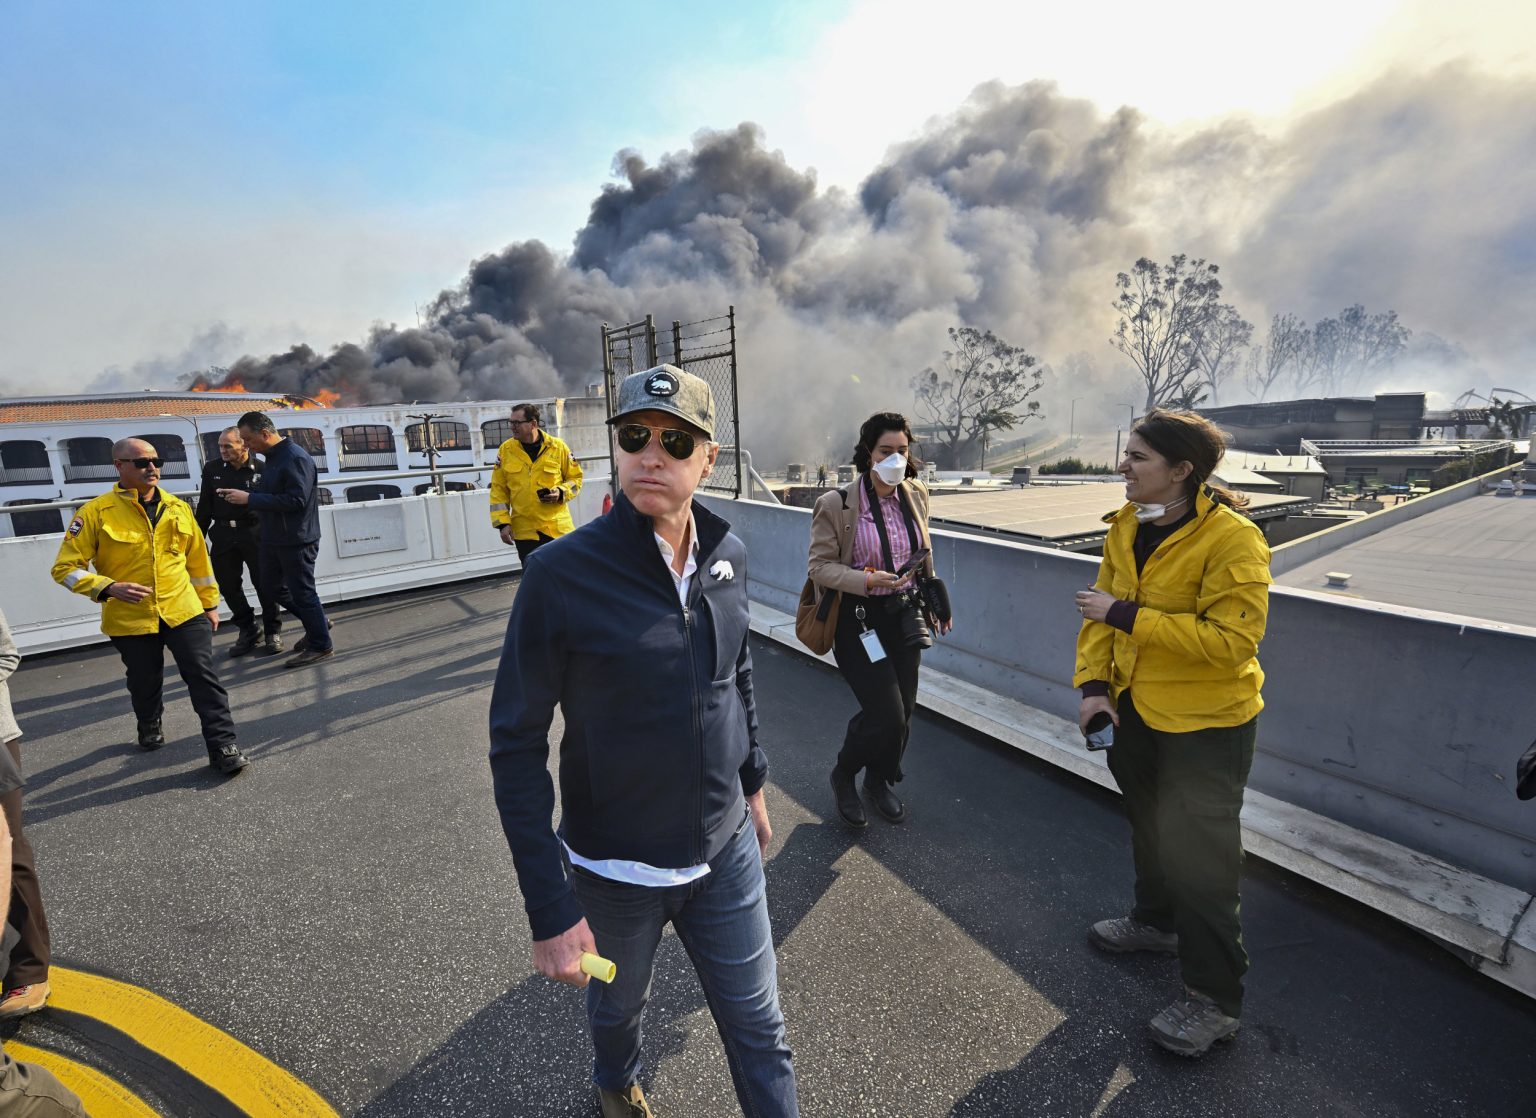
(869, 639)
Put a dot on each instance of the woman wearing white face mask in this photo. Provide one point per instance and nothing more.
(1168, 653)
(861, 539)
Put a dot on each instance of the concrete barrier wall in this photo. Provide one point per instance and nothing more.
(1402, 724)
(374, 547)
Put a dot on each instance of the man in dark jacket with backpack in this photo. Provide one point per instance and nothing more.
(636, 625)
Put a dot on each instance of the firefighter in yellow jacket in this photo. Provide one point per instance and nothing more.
(535, 478)
(1168, 656)
(157, 590)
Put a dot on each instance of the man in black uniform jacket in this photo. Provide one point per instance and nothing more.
(235, 542)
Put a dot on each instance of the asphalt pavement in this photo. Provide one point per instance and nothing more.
(347, 908)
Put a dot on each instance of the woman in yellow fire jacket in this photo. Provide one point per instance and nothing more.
(1167, 654)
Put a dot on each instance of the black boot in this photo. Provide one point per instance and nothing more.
(848, 805)
(150, 736)
(884, 799)
(246, 644)
(273, 644)
(227, 759)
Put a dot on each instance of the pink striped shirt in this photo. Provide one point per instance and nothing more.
(866, 539)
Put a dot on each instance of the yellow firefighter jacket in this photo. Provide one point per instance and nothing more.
(515, 485)
(1190, 660)
(113, 534)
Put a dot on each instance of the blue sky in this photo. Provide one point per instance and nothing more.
(182, 183)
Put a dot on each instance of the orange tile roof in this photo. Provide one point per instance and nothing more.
(52, 409)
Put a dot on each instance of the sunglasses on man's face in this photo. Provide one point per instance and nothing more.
(633, 438)
(144, 463)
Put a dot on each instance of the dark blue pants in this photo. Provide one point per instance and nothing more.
(288, 574)
(191, 645)
(722, 919)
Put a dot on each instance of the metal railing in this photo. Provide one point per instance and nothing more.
(26, 475)
(368, 460)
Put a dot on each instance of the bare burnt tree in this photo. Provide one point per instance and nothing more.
(1356, 346)
(1164, 313)
(979, 389)
(1277, 356)
(1221, 347)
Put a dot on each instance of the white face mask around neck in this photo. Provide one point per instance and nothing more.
(892, 470)
(1147, 513)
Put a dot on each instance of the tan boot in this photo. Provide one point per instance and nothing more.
(628, 1103)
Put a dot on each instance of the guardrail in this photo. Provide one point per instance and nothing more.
(1393, 721)
(367, 548)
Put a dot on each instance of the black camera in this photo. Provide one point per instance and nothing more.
(913, 625)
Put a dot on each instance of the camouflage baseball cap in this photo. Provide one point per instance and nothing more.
(670, 389)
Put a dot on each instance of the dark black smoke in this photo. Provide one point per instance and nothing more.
(1416, 194)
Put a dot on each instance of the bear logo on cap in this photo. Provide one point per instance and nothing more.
(661, 383)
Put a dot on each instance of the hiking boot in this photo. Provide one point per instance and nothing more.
(885, 800)
(245, 645)
(848, 805)
(227, 759)
(308, 656)
(1192, 1024)
(302, 644)
(628, 1103)
(1125, 934)
(272, 646)
(22, 1000)
(150, 736)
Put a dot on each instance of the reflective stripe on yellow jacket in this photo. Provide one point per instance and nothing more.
(113, 534)
(515, 484)
(1191, 659)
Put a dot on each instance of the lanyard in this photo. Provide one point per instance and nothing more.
(879, 517)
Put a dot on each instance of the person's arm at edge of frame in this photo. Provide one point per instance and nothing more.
(10, 655)
(528, 685)
(754, 770)
(1095, 651)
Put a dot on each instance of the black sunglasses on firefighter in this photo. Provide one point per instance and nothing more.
(143, 463)
(633, 438)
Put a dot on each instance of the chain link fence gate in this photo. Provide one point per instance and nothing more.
(707, 349)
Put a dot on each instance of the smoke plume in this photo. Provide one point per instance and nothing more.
(1415, 194)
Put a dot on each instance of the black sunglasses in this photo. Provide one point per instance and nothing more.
(143, 463)
(634, 436)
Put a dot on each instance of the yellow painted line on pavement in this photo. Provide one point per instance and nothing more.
(102, 1096)
(245, 1077)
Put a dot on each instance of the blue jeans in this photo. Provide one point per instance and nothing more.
(288, 573)
(722, 921)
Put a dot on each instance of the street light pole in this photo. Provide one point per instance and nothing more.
(1072, 423)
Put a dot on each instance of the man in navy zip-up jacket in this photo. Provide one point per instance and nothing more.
(636, 625)
(286, 499)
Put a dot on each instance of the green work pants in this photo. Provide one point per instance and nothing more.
(1183, 793)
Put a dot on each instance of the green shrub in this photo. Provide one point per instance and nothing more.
(1076, 466)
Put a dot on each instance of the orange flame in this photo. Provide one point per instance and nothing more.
(327, 398)
(232, 385)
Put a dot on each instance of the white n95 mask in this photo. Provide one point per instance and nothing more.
(892, 470)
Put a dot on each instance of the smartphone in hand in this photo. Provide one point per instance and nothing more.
(914, 562)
